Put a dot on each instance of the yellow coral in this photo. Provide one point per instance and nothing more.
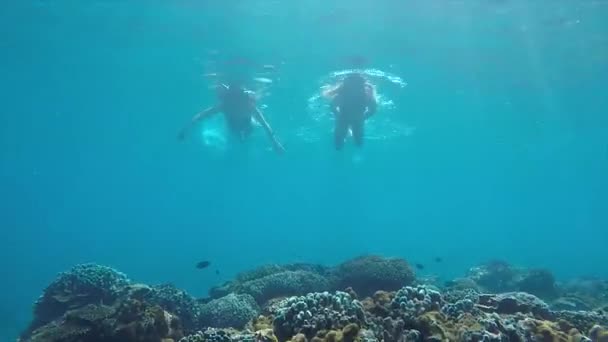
(383, 297)
(333, 336)
(262, 322)
(265, 335)
(553, 332)
(352, 293)
(436, 324)
(299, 338)
(350, 332)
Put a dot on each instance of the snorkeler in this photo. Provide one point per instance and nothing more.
(352, 102)
(239, 107)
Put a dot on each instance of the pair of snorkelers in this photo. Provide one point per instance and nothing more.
(352, 101)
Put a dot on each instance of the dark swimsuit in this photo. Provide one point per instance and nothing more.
(352, 106)
(237, 110)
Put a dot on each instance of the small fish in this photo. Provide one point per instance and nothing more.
(269, 67)
(438, 259)
(217, 272)
(203, 264)
(420, 266)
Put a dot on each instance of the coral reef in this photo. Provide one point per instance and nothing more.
(584, 294)
(287, 283)
(368, 274)
(230, 335)
(598, 334)
(127, 320)
(495, 276)
(582, 320)
(265, 281)
(315, 312)
(460, 307)
(572, 303)
(177, 302)
(538, 282)
(83, 284)
(411, 302)
(92, 303)
(435, 326)
(515, 302)
(233, 310)
(209, 335)
(499, 276)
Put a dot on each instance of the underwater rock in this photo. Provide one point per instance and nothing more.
(82, 285)
(539, 282)
(411, 302)
(592, 291)
(243, 280)
(570, 303)
(260, 272)
(515, 302)
(220, 291)
(287, 283)
(598, 334)
(368, 274)
(495, 276)
(582, 320)
(231, 311)
(461, 284)
(177, 302)
(315, 312)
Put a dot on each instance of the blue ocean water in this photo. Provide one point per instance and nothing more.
(491, 140)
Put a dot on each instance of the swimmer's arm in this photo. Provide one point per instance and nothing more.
(333, 106)
(259, 117)
(198, 117)
(331, 92)
(372, 106)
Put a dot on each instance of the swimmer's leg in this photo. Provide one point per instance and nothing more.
(242, 132)
(340, 132)
(358, 128)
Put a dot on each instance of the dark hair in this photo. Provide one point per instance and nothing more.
(354, 79)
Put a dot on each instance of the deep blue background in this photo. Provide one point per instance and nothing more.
(508, 158)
